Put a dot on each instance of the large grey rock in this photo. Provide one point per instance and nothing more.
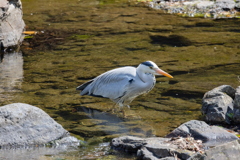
(199, 130)
(157, 148)
(128, 144)
(11, 23)
(24, 125)
(225, 151)
(236, 105)
(150, 148)
(225, 4)
(222, 105)
(237, 98)
(237, 4)
(217, 105)
(204, 4)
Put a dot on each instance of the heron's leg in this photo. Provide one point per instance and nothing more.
(131, 115)
(124, 114)
(121, 107)
(112, 108)
(115, 107)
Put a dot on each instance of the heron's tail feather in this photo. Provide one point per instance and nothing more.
(84, 85)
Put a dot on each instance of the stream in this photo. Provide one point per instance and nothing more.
(78, 40)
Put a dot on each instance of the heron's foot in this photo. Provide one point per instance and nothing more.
(113, 109)
(130, 115)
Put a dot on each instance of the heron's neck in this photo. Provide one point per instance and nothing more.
(145, 77)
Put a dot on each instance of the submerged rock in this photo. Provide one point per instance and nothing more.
(11, 23)
(25, 125)
(223, 144)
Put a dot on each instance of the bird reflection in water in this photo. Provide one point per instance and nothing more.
(111, 124)
(108, 119)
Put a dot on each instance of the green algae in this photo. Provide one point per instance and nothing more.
(80, 37)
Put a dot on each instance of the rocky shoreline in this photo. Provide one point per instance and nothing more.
(199, 8)
(195, 139)
(26, 126)
(192, 140)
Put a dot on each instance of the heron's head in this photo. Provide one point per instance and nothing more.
(151, 67)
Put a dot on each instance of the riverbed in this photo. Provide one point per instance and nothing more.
(78, 40)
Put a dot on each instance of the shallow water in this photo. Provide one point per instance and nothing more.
(79, 40)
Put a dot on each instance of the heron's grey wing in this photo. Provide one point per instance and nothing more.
(112, 84)
(84, 85)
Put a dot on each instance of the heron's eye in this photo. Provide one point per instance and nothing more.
(151, 67)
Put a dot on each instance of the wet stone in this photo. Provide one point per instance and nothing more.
(23, 125)
(195, 8)
(225, 4)
(11, 23)
(236, 115)
(218, 104)
(219, 144)
(200, 130)
(230, 150)
(237, 98)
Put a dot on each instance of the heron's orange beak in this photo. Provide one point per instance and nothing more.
(159, 71)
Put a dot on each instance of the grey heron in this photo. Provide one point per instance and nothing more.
(122, 85)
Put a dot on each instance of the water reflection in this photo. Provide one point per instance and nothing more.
(11, 74)
(107, 119)
(33, 152)
(95, 114)
(112, 124)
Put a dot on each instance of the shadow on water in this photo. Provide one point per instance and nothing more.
(172, 40)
